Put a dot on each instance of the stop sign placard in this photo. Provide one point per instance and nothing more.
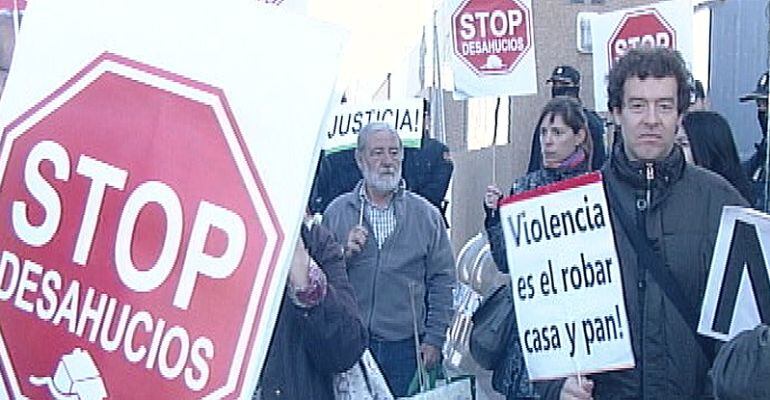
(640, 28)
(490, 37)
(136, 241)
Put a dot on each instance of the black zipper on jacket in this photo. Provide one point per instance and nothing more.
(642, 207)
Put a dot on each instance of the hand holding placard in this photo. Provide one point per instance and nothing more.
(566, 279)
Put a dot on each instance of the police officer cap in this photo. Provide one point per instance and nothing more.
(742, 367)
(760, 92)
(565, 74)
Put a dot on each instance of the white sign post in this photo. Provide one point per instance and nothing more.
(567, 287)
(737, 294)
(665, 24)
(405, 116)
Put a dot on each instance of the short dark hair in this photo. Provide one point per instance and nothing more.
(645, 62)
(571, 112)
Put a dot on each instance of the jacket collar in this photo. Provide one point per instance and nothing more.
(666, 171)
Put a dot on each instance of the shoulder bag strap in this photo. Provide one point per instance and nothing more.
(658, 269)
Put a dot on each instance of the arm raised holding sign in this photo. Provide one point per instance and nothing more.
(566, 151)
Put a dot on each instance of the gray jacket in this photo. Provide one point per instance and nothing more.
(417, 252)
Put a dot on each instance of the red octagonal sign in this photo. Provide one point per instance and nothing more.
(491, 37)
(137, 241)
(640, 28)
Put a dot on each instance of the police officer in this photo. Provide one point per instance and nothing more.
(565, 81)
(755, 166)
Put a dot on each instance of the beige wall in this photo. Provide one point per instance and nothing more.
(555, 44)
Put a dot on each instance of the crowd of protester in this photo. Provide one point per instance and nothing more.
(668, 149)
(378, 271)
(671, 162)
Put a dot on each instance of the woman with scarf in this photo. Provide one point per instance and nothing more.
(566, 150)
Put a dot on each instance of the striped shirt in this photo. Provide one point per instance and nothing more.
(382, 220)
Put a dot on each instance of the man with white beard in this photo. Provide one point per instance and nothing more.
(399, 259)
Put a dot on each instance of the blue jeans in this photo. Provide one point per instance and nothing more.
(397, 361)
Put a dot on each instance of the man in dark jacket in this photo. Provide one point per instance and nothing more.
(677, 206)
(319, 331)
(565, 81)
(755, 166)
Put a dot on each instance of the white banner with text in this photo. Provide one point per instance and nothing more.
(405, 116)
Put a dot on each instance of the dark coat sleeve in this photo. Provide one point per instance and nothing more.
(494, 228)
(335, 336)
(756, 161)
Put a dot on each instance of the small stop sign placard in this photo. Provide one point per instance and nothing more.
(640, 28)
(491, 36)
(136, 240)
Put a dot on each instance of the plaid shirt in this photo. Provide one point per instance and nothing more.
(383, 220)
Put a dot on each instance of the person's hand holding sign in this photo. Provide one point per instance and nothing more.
(576, 388)
(356, 240)
(492, 197)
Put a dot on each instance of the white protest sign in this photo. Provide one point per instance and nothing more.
(405, 116)
(565, 272)
(663, 24)
(737, 294)
(152, 182)
(493, 48)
